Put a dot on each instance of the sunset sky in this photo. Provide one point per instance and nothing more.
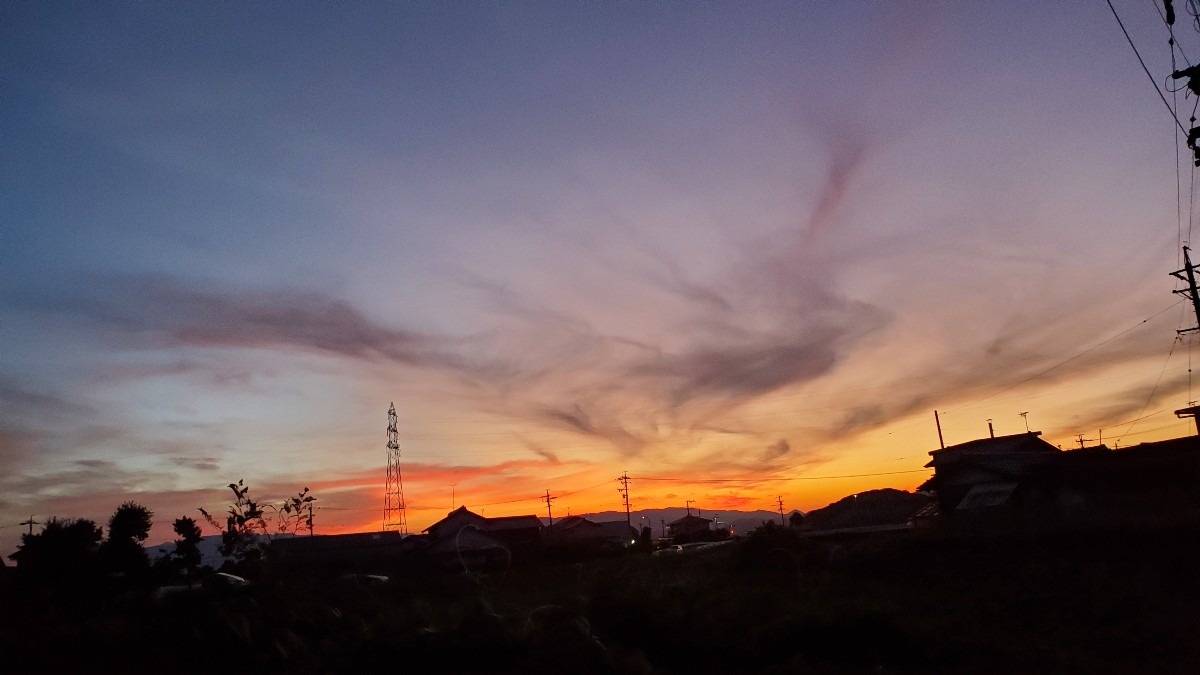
(740, 241)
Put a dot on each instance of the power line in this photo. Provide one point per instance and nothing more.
(1155, 430)
(1143, 62)
(1063, 363)
(762, 480)
(1142, 415)
(1171, 31)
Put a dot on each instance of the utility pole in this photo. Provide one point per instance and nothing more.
(624, 490)
(779, 500)
(1188, 275)
(31, 522)
(549, 499)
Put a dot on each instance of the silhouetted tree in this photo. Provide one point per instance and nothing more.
(295, 514)
(243, 522)
(63, 547)
(131, 521)
(796, 519)
(127, 529)
(187, 546)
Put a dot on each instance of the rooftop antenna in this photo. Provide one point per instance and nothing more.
(991, 431)
(1025, 416)
(394, 518)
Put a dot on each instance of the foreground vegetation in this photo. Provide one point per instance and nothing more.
(1097, 602)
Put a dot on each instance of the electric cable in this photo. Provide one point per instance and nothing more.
(1136, 53)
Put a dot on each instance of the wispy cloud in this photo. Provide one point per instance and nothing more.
(161, 311)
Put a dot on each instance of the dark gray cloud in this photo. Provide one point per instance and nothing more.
(1128, 405)
(860, 417)
(32, 418)
(609, 428)
(740, 370)
(779, 448)
(99, 465)
(218, 373)
(542, 452)
(157, 311)
(198, 463)
(20, 401)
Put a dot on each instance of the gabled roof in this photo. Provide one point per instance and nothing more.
(1019, 448)
(690, 519)
(467, 517)
(461, 512)
(573, 522)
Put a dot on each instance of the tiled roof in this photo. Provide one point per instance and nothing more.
(512, 523)
(1016, 446)
(992, 494)
(689, 519)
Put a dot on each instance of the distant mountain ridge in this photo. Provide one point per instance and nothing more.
(742, 522)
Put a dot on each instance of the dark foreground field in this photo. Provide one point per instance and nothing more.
(1116, 602)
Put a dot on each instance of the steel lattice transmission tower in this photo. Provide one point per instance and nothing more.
(394, 517)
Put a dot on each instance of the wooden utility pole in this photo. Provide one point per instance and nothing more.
(779, 500)
(549, 514)
(31, 522)
(624, 490)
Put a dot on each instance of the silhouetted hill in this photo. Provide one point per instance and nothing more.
(867, 509)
